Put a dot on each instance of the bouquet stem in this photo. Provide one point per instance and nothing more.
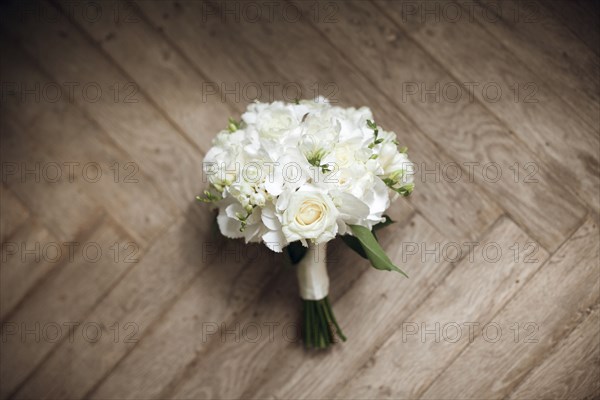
(319, 324)
(319, 327)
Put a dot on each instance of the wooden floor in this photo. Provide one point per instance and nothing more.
(115, 283)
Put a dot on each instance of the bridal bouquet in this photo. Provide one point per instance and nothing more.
(294, 176)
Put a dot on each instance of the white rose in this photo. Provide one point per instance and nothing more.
(308, 213)
(345, 154)
(273, 121)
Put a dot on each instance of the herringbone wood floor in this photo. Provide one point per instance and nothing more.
(497, 102)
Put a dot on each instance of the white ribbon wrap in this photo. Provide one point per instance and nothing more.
(312, 273)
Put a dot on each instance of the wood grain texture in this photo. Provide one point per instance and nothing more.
(572, 371)
(135, 44)
(554, 301)
(200, 316)
(49, 147)
(124, 112)
(27, 256)
(62, 218)
(138, 300)
(548, 47)
(579, 16)
(467, 296)
(472, 136)
(61, 299)
(542, 122)
(14, 214)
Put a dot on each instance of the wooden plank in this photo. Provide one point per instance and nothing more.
(66, 296)
(555, 301)
(125, 113)
(36, 193)
(13, 212)
(140, 298)
(166, 76)
(471, 54)
(250, 74)
(581, 16)
(219, 293)
(307, 69)
(69, 149)
(472, 136)
(249, 364)
(478, 287)
(540, 41)
(137, 376)
(573, 371)
(27, 256)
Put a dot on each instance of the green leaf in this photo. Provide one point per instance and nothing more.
(296, 251)
(374, 252)
(354, 244)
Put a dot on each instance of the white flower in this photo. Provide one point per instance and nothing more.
(235, 222)
(392, 161)
(308, 213)
(290, 172)
(304, 171)
(272, 121)
(273, 238)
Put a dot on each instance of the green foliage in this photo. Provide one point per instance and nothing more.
(376, 140)
(208, 197)
(354, 243)
(233, 125)
(394, 180)
(319, 326)
(373, 250)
